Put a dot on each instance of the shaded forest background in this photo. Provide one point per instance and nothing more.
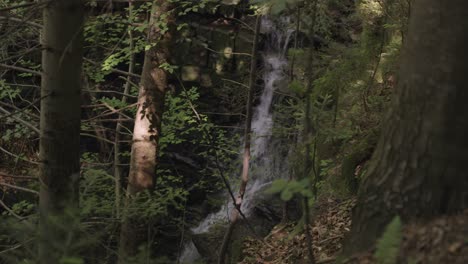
(200, 64)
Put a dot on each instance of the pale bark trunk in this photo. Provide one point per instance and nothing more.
(419, 166)
(153, 87)
(147, 128)
(247, 141)
(60, 126)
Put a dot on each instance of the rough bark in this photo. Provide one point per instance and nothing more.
(60, 126)
(235, 215)
(147, 129)
(419, 167)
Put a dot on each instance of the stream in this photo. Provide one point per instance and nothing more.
(263, 167)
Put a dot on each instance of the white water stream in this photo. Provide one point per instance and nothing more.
(262, 166)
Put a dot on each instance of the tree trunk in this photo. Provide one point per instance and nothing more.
(419, 167)
(309, 162)
(247, 140)
(147, 128)
(60, 127)
(153, 87)
(119, 125)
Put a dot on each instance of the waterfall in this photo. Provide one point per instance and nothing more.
(262, 160)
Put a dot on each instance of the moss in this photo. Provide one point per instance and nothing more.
(236, 250)
(357, 156)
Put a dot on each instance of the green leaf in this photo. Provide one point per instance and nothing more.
(286, 195)
(388, 245)
(277, 186)
(297, 87)
(68, 260)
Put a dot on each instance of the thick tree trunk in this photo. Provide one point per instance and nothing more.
(419, 167)
(60, 126)
(147, 128)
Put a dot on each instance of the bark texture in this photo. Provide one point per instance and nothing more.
(153, 87)
(147, 129)
(62, 40)
(419, 167)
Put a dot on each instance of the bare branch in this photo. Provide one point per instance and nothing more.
(18, 157)
(19, 188)
(22, 6)
(110, 91)
(100, 138)
(21, 69)
(14, 19)
(23, 122)
(114, 70)
(4, 175)
(24, 108)
(10, 211)
(238, 83)
(37, 47)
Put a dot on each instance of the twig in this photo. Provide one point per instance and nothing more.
(327, 260)
(114, 70)
(23, 53)
(111, 112)
(21, 69)
(25, 123)
(19, 188)
(233, 53)
(306, 137)
(97, 137)
(18, 157)
(24, 108)
(18, 177)
(14, 19)
(22, 6)
(119, 125)
(110, 91)
(241, 84)
(10, 211)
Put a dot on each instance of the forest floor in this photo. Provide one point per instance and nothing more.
(437, 241)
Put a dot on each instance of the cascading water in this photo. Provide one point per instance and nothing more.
(263, 166)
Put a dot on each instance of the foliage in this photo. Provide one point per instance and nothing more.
(183, 128)
(388, 245)
(193, 145)
(23, 207)
(288, 189)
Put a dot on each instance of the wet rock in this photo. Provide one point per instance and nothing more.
(266, 212)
